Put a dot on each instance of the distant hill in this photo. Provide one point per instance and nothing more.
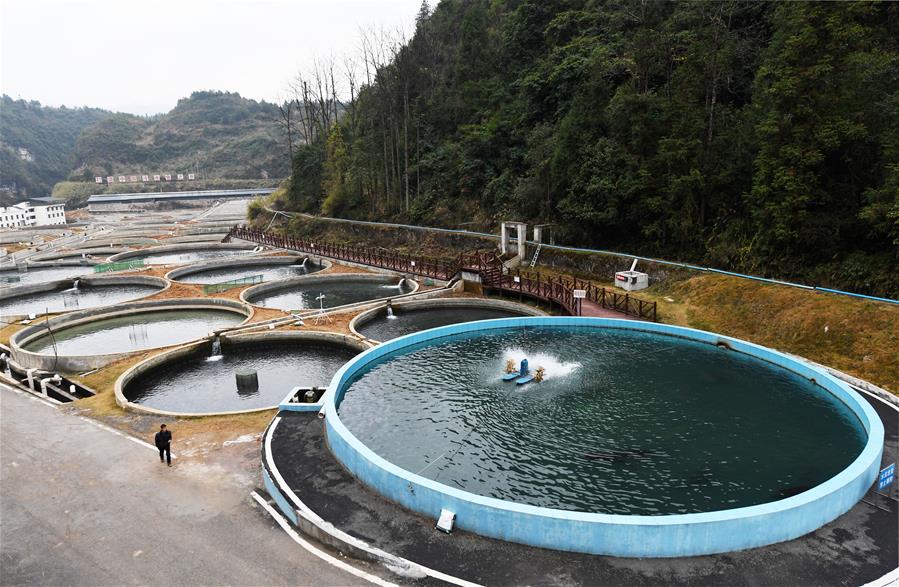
(46, 137)
(221, 135)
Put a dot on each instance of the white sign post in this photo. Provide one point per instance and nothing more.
(580, 294)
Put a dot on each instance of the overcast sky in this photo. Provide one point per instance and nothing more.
(141, 56)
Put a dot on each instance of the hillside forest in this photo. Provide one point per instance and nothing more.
(217, 135)
(761, 137)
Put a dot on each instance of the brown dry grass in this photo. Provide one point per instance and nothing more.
(861, 337)
(341, 268)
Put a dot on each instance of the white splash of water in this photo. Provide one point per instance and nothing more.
(553, 366)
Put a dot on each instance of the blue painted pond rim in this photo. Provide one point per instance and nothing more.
(612, 534)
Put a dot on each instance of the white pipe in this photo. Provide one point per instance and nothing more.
(55, 379)
(30, 375)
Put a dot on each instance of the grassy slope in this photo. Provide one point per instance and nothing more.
(862, 337)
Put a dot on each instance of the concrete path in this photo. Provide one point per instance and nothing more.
(81, 505)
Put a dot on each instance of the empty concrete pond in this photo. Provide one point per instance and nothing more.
(205, 380)
(132, 332)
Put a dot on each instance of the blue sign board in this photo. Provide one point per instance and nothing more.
(887, 476)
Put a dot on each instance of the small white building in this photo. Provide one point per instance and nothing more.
(23, 215)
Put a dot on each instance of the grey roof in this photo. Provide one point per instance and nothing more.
(193, 195)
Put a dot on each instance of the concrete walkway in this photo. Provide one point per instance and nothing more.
(859, 547)
(81, 505)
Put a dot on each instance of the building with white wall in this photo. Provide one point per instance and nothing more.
(23, 215)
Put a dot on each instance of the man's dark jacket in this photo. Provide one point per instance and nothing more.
(163, 438)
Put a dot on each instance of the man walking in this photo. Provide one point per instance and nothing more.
(164, 444)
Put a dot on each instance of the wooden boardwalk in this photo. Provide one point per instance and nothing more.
(558, 290)
(594, 310)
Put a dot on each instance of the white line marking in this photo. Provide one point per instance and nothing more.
(120, 433)
(30, 396)
(387, 559)
(873, 395)
(891, 578)
(312, 549)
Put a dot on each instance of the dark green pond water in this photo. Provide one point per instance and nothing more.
(207, 383)
(135, 332)
(624, 423)
(383, 327)
(268, 273)
(69, 299)
(337, 293)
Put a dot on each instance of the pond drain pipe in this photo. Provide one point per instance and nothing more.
(30, 375)
(56, 379)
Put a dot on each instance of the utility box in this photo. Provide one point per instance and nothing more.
(631, 280)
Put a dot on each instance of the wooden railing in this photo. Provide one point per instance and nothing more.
(558, 289)
(383, 258)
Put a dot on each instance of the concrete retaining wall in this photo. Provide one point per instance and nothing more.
(369, 315)
(615, 535)
(174, 274)
(78, 363)
(179, 248)
(203, 347)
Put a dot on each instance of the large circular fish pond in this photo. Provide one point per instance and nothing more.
(640, 440)
(133, 332)
(205, 381)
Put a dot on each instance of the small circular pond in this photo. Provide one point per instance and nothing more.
(265, 271)
(302, 294)
(204, 381)
(182, 253)
(133, 332)
(640, 440)
(178, 257)
(76, 294)
(385, 324)
(11, 278)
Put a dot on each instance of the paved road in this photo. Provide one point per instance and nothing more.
(80, 505)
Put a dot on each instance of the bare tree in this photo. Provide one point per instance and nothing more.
(287, 122)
